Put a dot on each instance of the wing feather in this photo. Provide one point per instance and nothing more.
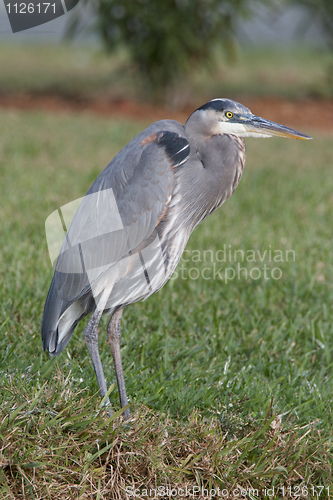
(119, 212)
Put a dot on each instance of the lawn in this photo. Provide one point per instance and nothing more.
(228, 368)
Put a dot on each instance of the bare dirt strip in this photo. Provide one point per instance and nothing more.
(304, 113)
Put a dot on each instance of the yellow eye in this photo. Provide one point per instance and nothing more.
(229, 114)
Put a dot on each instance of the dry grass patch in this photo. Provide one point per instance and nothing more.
(61, 445)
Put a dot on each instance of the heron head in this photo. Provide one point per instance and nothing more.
(224, 116)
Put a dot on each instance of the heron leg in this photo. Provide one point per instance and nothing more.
(91, 338)
(114, 334)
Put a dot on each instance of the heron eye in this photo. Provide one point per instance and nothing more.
(229, 114)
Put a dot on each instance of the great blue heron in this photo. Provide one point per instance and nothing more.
(130, 230)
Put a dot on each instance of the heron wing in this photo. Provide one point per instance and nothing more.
(119, 212)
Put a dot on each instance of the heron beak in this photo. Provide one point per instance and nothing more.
(257, 125)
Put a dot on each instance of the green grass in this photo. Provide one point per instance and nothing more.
(229, 383)
(290, 71)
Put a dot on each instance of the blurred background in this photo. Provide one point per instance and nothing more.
(112, 56)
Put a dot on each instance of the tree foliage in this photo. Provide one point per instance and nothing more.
(166, 38)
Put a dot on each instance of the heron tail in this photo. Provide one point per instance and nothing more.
(59, 321)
